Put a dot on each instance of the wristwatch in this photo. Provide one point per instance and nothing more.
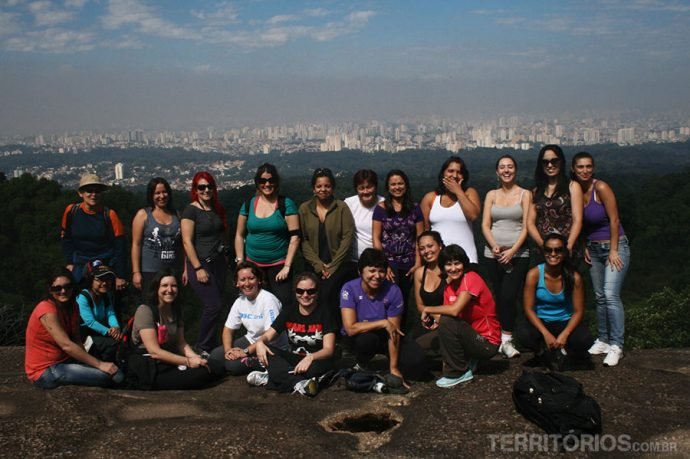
(238, 260)
(246, 350)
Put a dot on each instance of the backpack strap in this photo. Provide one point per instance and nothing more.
(281, 205)
(105, 212)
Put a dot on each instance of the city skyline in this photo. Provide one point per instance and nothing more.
(128, 64)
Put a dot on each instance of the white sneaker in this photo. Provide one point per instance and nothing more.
(308, 387)
(614, 355)
(599, 347)
(257, 378)
(507, 348)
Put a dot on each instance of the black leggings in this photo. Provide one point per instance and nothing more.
(579, 341)
(282, 362)
(282, 290)
(507, 289)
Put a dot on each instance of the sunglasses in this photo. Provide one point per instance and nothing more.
(551, 162)
(308, 291)
(92, 190)
(263, 181)
(61, 288)
(204, 187)
(553, 250)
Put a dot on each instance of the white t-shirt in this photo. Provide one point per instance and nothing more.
(256, 316)
(363, 217)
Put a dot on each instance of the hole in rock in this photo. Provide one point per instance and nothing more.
(368, 422)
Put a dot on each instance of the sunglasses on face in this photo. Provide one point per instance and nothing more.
(308, 291)
(94, 190)
(61, 288)
(553, 250)
(205, 187)
(555, 162)
(263, 181)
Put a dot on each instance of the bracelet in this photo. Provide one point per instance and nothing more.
(136, 272)
(199, 267)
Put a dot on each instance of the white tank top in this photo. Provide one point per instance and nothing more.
(454, 228)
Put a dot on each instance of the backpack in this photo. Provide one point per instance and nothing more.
(556, 403)
(281, 205)
(105, 212)
(358, 380)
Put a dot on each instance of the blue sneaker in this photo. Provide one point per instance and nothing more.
(473, 365)
(447, 383)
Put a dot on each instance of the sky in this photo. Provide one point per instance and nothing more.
(70, 65)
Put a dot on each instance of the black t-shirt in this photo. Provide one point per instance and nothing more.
(305, 333)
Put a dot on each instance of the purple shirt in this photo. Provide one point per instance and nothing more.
(595, 222)
(399, 236)
(387, 303)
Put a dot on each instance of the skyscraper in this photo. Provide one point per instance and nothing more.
(119, 171)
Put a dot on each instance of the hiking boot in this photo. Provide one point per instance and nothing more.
(308, 387)
(599, 347)
(508, 349)
(614, 355)
(257, 378)
(447, 382)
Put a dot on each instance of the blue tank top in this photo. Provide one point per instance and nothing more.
(551, 307)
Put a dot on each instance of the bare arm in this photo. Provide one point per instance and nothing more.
(528, 299)
(578, 311)
(532, 225)
(293, 225)
(239, 236)
(577, 207)
(52, 325)
(452, 310)
(608, 198)
(425, 206)
(353, 328)
(486, 221)
(150, 340)
(137, 236)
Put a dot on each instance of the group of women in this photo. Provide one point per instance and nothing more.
(364, 256)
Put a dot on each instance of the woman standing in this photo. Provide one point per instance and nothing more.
(327, 232)
(162, 359)
(504, 226)
(268, 232)
(99, 323)
(204, 236)
(255, 310)
(453, 207)
(156, 241)
(397, 222)
(362, 205)
(92, 231)
(608, 253)
(54, 353)
(468, 330)
(557, 202)
(429, 283)
(311, 341)
(554, 304)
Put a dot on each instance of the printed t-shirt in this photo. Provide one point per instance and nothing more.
(305, 333)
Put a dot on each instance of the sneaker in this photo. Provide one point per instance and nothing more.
(473, 365)
(308, 387)
(447, 383)
(614, 355)
(507, 348)
(599, 347)
(257, 378)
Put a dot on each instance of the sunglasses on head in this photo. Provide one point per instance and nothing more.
(61, 288)
(553, 162)
(553, 250)
(308, 291)
(204, 187)
(263, 181)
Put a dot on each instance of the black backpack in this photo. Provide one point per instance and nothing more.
(281, 205)
(556, 403)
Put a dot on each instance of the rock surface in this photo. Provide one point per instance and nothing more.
(645, 398)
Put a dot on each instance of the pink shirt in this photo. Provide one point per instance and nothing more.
(480, 313)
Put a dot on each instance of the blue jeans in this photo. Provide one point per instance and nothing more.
(607, 286)
(65, 374)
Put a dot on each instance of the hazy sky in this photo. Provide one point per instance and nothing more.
(111, 64)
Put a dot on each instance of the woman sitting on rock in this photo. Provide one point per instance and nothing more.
(468, 329)
(311, 333)
(554, 304)
(162, 359)
(255, 310)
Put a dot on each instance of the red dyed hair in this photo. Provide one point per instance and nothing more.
(217, 207)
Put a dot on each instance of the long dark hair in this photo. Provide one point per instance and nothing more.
(61, 272)
(153, 293)
(267, 168)
(441, 188)
(151, 189)
(541, 180)
(407, 202)
(567, 266)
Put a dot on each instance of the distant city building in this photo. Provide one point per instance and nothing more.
(119, 171)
